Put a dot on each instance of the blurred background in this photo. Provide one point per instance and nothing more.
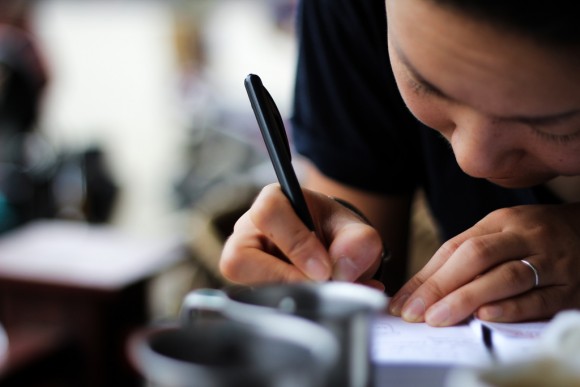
(127, 149)
(148, 81)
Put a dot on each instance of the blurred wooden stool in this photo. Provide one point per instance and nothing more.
(40, 356)
(79, 290)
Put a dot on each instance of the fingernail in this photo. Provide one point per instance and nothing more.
(397, 304)
(491, 312)
(345, 270)
(317, 269)
(438, 314)
(414, 311)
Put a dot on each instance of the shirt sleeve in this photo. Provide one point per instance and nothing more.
(348, 116)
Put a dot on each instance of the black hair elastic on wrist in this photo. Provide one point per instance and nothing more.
(386, 254)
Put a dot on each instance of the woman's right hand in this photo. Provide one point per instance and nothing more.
(271, 244)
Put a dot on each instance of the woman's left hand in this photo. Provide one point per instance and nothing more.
(481, 270)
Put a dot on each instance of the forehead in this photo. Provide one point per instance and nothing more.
(475, 61)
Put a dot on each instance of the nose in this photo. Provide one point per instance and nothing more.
(485, 146)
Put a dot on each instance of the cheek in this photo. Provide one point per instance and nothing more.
(564, 160)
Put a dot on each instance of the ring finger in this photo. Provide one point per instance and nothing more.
(503, 281)
(539, 304)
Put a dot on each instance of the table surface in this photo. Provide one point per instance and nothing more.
(82, 255)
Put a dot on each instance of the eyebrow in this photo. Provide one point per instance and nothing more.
(436, 90)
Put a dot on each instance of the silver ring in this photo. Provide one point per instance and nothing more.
(536, 275)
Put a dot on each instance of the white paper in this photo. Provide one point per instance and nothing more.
(396, 341)
(514, 341)
(526, 330)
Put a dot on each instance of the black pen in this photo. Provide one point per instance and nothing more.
(276, 140)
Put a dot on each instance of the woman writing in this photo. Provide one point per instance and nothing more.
(475, 102)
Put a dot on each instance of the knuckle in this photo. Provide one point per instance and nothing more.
(465, 300)
(301, 245)
(229, 263)
(477, 248)
(450, 247)
(543, 231)
(512, 310)
(272, 189)
(369, 238)
(513, 277)
(418, 279)
(374, 239)
(433, 288)
(241, 223)
(415, 282)
(288, 276)
(263, 210)
(503, 215)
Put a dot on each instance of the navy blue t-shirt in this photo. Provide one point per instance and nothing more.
(351, 122)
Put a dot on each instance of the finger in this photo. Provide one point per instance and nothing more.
(459, 247)
(504, 281)
(355, 251)
(439, 258)
(475, 256)
(537, 304)
(273, 214)
(248, 258)
(257, 267)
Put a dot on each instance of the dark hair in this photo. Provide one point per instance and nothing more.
(553, 22)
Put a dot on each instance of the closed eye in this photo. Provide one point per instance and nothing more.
(422, 87)
(558, 138)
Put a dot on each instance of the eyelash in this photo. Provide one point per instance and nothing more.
(421, 89)
(560, 139)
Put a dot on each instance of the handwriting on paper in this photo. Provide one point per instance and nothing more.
(397, 341)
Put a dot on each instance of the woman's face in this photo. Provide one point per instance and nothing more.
(509, 108)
